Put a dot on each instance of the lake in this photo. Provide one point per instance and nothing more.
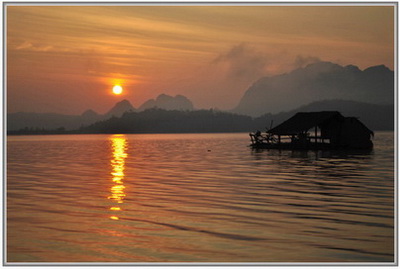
(203, 198)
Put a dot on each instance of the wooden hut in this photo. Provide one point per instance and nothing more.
(316, 130)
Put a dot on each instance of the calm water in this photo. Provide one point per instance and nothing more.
(195, 198)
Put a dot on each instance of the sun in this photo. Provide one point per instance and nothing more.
(117, 89)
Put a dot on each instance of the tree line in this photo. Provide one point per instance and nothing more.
(172, 121)
(158, 120)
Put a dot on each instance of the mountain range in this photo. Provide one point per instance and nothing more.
(163, 101)
(317, 82)
(375, 117)
(19, 120)
(367, 94)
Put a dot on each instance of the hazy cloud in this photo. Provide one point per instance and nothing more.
(34, 47)
(302, 61)
(242, 62)
(24, 45)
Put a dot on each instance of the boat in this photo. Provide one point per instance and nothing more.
(322, 130)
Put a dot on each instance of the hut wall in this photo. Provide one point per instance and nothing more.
(347, 133)
(332, 130)
(354, 134)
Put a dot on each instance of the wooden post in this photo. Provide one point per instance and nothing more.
(279, 139)
(316, 139)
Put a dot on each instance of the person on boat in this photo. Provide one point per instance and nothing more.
(258, 136)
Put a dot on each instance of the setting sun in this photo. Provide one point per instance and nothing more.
(117, 89)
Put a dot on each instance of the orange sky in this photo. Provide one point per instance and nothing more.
(66, 59)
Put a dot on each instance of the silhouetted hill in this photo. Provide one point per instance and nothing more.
(120, 108)
(375, 117)
(53, 121)
(172, 121)
(122, 118)
(315, 82)
(167, 102)
(89, 114)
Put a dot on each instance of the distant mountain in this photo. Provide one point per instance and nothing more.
(155, 120)
(89, 114)
(316, 82)
(375, 117)
(52, 121)
(167, 102)
(19, 120)
(120, 108)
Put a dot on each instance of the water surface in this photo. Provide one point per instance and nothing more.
(195, 198)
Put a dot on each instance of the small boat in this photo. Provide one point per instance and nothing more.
(315, 131)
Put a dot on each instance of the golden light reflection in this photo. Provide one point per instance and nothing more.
(118, 145)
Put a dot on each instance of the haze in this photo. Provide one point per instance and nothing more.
(66, 59)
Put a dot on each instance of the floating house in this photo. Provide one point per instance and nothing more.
(316, 130)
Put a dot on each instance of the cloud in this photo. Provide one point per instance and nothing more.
(242, 62)
(24, 45)
(34, 47)
(302, 61)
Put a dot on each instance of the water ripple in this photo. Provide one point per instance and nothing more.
(196, 197)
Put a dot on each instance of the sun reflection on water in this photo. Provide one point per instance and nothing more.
(118, 146)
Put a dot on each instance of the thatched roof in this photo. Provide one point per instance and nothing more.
(303, 121)
(354, 120)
